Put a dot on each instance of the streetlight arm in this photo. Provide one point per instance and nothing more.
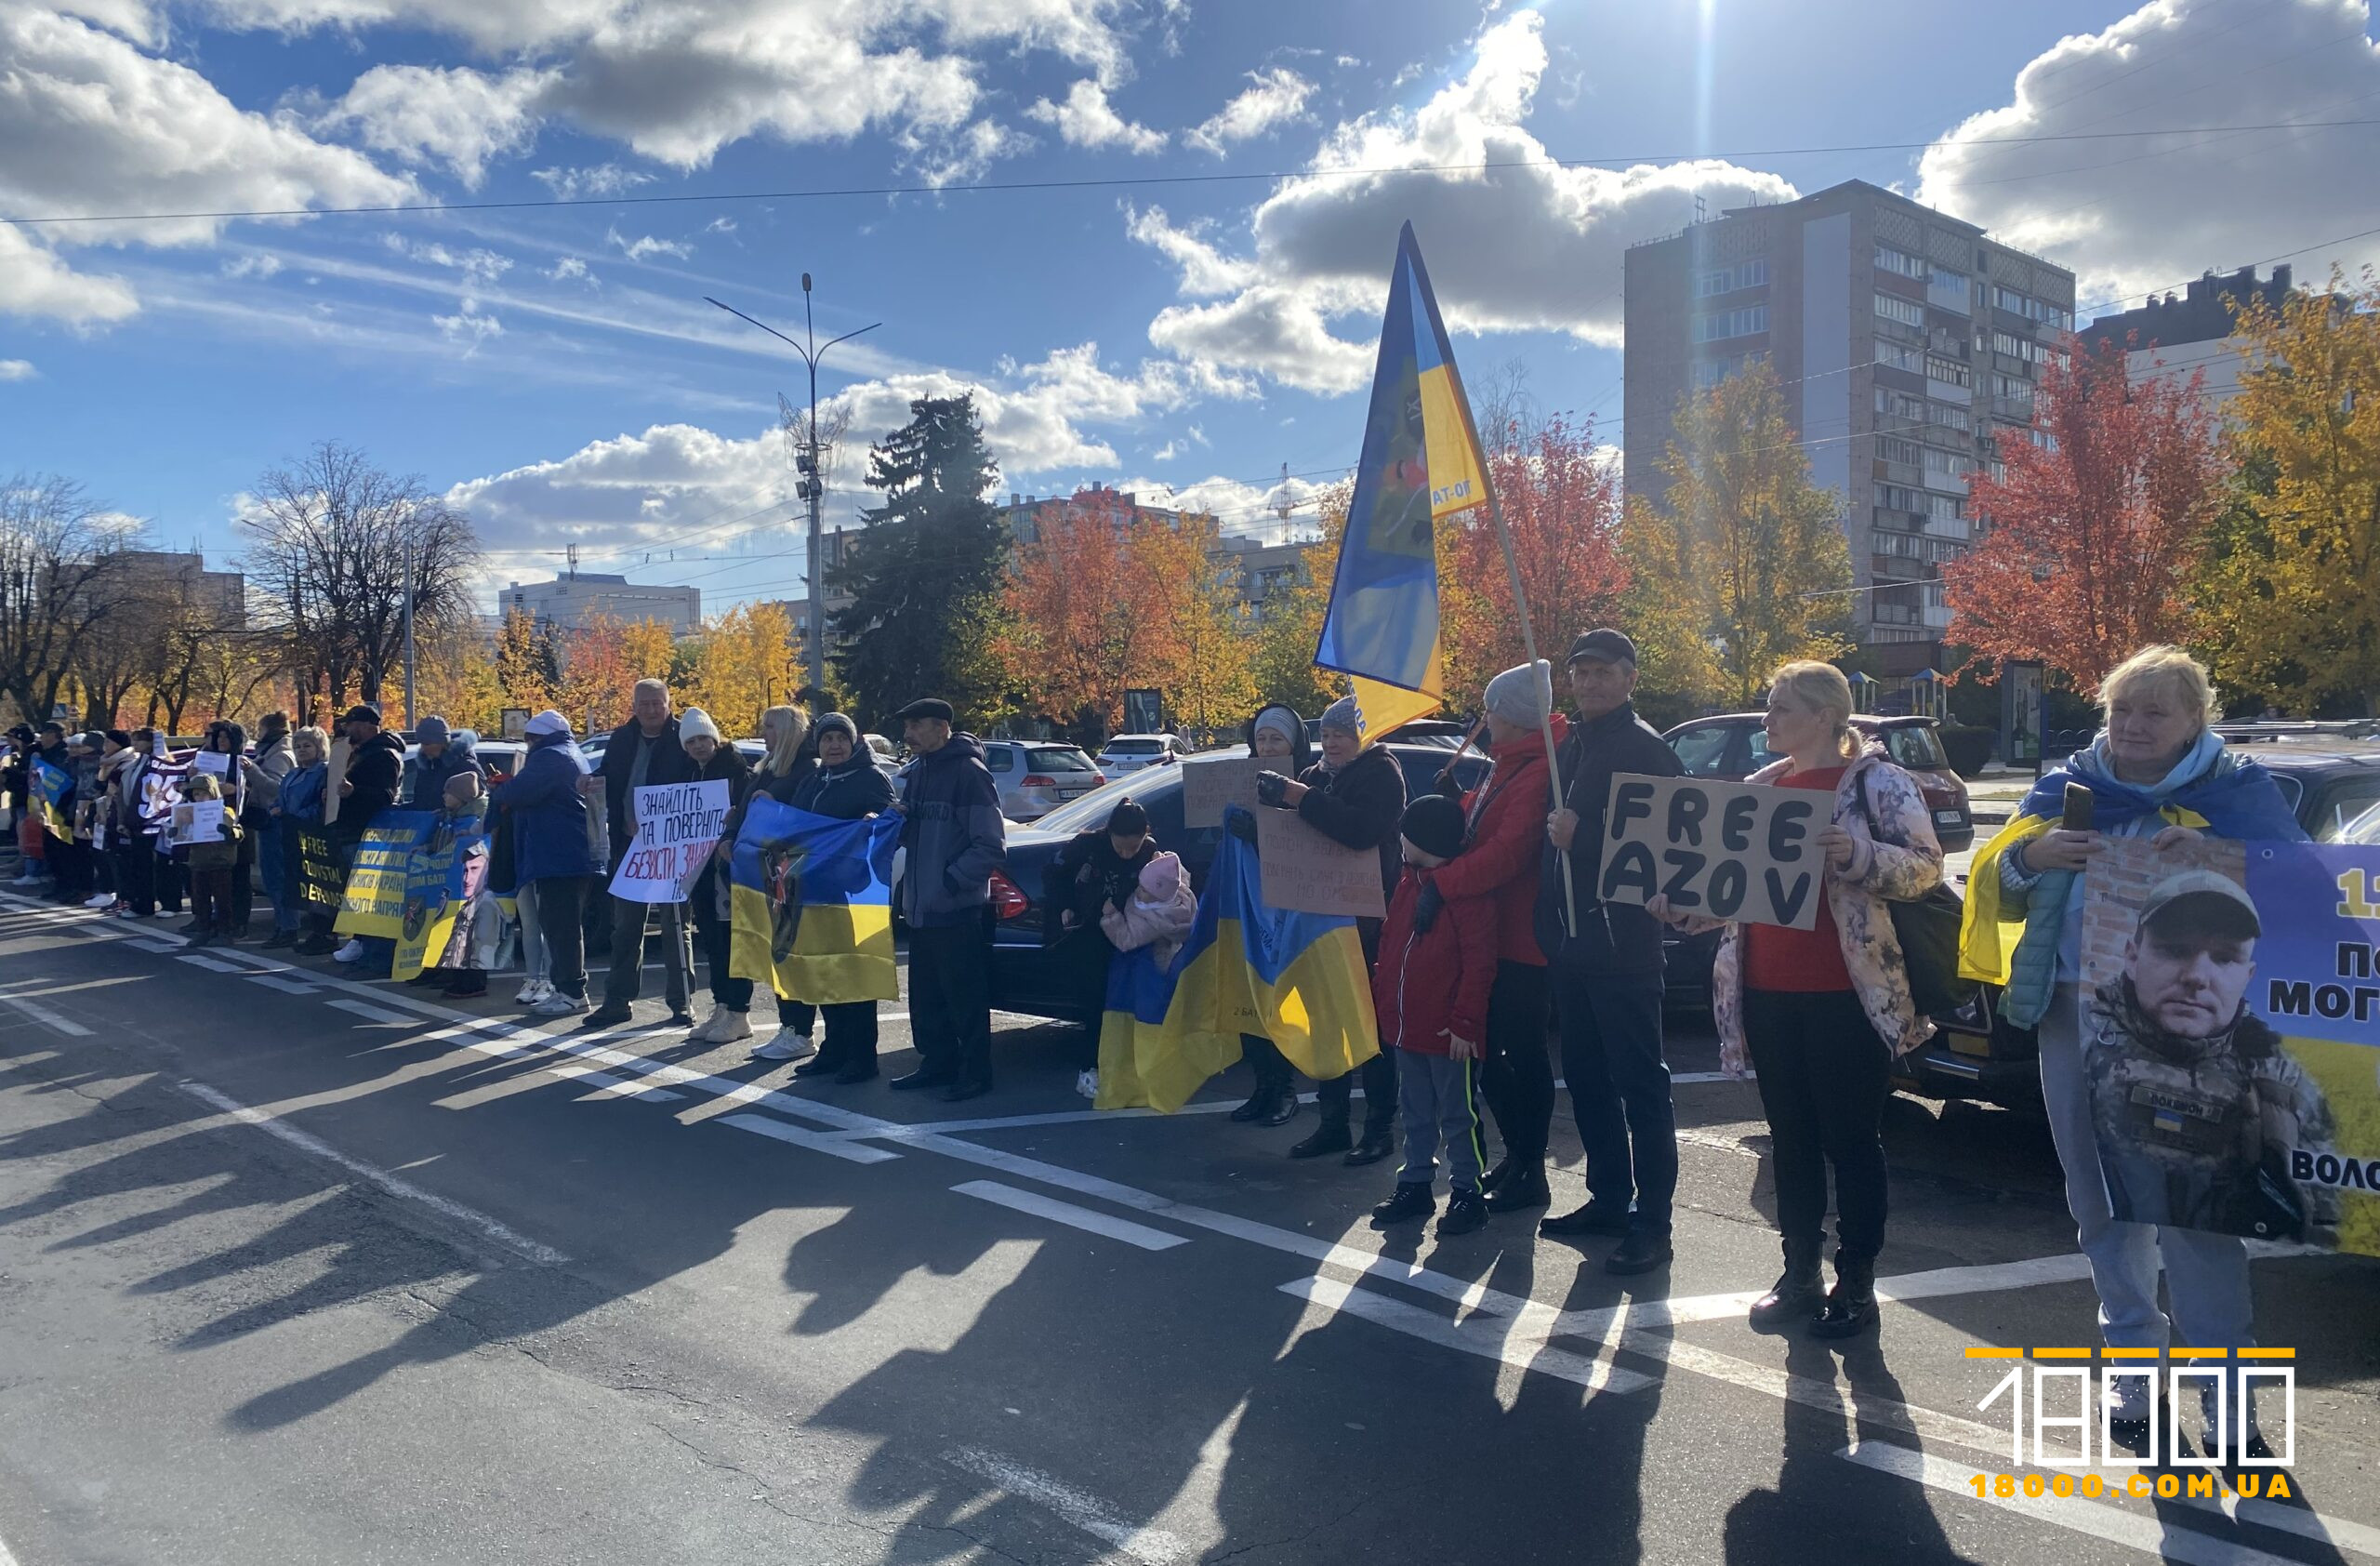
(766, 327)
(845, 337)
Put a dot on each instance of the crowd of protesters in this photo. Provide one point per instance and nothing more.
(1495, 948)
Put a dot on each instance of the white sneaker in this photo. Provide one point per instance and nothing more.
(26, 879)
(350, 952)
(2131, 1399)
(1087, 1083)
(724, 1026)
(104, 900)
(533, 992)
(785, 1044)
(559, 1004)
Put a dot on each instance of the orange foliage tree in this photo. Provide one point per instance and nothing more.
(602, 660)
(2091, 533)
(1084, 620)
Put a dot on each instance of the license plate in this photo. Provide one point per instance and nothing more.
(1973, 1044)
(1950, 818)
(1072, 794)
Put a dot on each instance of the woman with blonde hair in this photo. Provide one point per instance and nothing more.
(1820, 1013)
(2158, 771)
(789, 762)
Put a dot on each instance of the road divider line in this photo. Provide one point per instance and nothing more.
(396, 1185)
(287, 986)
(1066, 1212)
(833, 1147)
(1339, 1296)
(615, 1087)
(152, 943)
(213, 966)
(365, 1009)
(1153, 1546)
(46, 1017)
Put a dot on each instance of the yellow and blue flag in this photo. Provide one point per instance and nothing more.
(1420, 464)
(811, 901)
(1296, 978)
(50, 788)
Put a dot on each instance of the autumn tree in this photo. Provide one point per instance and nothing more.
(1212, 683)
(2089, 534)
(2289, 591)
(1743, 543)
(1282, 659)
(63, 574)
(1084, 620)
(526, 669)
(458, 678)
(745, 663)
(598, 675)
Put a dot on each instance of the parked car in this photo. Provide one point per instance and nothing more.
(1035, 778)
(1444, 733)
(501, 758)
(1129, 752)
(1023, 978)
(2332, 779)
(1734, 746)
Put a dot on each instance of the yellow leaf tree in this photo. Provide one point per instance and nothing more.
(746, 663)
(1212, 684)
(1282, 661)
(458, 678)
(525, 663)
(2289, 596)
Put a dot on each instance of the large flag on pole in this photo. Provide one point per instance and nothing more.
(1420, 464)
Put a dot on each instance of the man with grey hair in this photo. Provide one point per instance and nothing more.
(645, 752)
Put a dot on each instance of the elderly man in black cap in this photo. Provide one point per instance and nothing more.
(376, 767)
(956, 840)
(1604, 964)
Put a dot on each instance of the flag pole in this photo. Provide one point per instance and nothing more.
(1528, 648)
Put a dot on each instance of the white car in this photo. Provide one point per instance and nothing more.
(1129, 752)
(1036, 777)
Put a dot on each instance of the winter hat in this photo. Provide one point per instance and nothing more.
(433, 729)
(837, 723)
(1161, 877)
(1343, 714)
(549, 723)
(694, 724)
(1281, 721)
(119, 737)
(1434, 824)
(1523, 694)
(362, 712)
(461, 788)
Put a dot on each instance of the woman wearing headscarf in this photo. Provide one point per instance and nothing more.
(731, 998)
(847, 785)
(1276, 737)
(1355, 796)
(2155, 771)
(297, 804)
(788, 761)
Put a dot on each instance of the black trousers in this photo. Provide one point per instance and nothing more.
(561, 907)
(211, 899)
(1619, 1090)
(1517, 1080)
(1824, 1076)
(713, 935)
(145, 878)
(244, 882)
(71, 863)
(950, 998)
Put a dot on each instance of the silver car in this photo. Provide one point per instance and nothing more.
(1036, 777)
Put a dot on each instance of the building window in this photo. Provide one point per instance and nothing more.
(1707, 373)
(1893, 448)
(1893, 497)
(1727, 280)
(1950, 464)
(1892, 307)
(1900, 262)
(1898, 356)
(1716, 324)
(1946, 508)
(1948, 417)
(1951, 370)
(1899, 404)
(2031, 309)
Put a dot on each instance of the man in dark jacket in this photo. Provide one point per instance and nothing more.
(648, 751)
(956, 838)
(375, 768)
(1605, 964)
(1355, 796)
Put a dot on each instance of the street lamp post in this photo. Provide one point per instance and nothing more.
(811, 484)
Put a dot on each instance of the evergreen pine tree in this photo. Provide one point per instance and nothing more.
(932, 548)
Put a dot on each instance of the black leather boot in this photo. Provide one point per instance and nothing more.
(1798, 1293)
(1523, 1189)
(1379, 1142)
(1330, 1136)
(1258, 1103)
(1851, 1307)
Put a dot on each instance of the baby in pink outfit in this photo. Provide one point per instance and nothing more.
(1157, 916)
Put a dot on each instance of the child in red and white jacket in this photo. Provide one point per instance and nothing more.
(1437, 959)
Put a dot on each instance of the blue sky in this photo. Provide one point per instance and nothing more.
(555, 369)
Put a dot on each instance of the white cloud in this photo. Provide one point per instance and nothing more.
(958, 157)
(1243, 509)
(480, 267)
(570, 267)
(17, 369)
(636, 249)
(584, 184)
(259, 264)
(462, 118)
(2138, 214)
(1085, 119)
(1278, 96)
(1510, 249)
(35, 283)
(469, 326)
(719, 225)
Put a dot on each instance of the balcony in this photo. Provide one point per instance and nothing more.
(1959, 528)
(1898, 332)
(2019, 409)
(1948, 343)
(1892, 521)
(1907, 475)
(1895, 613)
(1947, 392)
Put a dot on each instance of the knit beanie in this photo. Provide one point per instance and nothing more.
(694, 724)
(1523, 694)
(1343, 714)
(1434, 824)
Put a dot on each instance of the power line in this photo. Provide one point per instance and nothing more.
(987, 187)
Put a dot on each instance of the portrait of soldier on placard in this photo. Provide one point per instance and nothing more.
(2196, 1104)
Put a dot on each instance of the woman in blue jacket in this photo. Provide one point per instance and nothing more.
(297, 806)
(553, 856)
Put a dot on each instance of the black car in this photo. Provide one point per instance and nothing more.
(1734, 745)
(2330, 780)
(1024, 978)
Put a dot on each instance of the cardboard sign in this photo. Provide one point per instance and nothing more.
(2231, 1028)
(677, 826)
(514, 722)
(1209, 783)
(336, 774)
(1305, 872)
(1721, 850)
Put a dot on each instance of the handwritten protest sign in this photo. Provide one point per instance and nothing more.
(677, 826)
(1209, 783)
(217, 762)
(1722, 850)
(1305, 872)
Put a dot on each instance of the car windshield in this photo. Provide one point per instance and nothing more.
(1082, 814)
(2364, 828)
(1702, 751)
(1134, 747)
(1917, 747)
(1057, 757)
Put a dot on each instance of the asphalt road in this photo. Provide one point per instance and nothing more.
(296, 1269)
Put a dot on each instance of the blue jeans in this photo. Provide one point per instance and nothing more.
(1619, 1091)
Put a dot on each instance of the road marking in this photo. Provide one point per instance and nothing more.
(854, 1152)
(1066, 1212)
(6, 1559)
(43, 1015)
(615, 1087)
(1339, 1295)
(1153, 1545)
(367, 1011)
(153, 943)
(470, 1217)
(287, 986)
(212, 965)
(2100, 1520)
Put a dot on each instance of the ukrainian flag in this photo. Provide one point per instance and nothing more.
(1296, 978)
(50, 785)
(812, 903)
(1420, 464)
